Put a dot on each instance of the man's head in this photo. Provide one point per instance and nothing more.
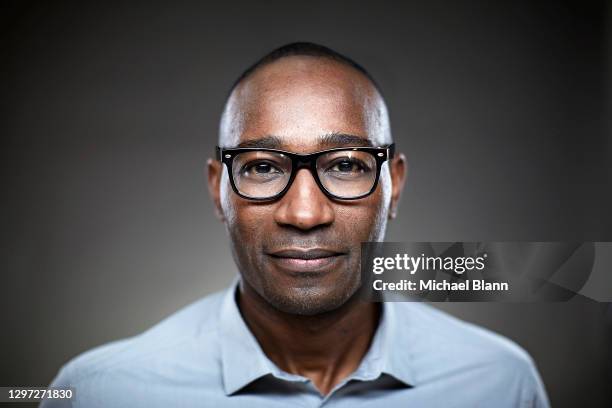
(301, 252)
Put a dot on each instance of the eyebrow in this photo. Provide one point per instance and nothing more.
(333, 139)
(344, 139)
(265, 142)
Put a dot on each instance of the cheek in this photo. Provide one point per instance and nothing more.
(244, 221)
(250, 223)
(381, 217)
(385, 186)
(364, 221)
(370, 217)
(227, 206)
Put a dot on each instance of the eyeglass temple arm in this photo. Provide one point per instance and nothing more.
(391, 149)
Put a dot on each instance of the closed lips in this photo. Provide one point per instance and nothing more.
(311, 260)
(305, 254)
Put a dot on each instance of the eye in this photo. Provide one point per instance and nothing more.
(348, 165)
(260, 169)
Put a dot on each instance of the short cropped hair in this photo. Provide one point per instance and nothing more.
(303, 49)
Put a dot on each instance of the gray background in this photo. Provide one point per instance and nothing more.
(108, 113)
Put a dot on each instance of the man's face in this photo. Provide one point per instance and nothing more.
(301, 253)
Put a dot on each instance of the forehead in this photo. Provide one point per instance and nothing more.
(300, 101)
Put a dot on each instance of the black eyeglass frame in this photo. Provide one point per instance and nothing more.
(308, 161)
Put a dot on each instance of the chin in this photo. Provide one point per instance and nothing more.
(309, 301)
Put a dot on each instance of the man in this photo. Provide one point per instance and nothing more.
(305, 172)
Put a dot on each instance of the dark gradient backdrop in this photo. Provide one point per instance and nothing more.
(108, 113)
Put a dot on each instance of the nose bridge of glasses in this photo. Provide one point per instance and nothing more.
(304, 183)
(306, 162)
(303, 161)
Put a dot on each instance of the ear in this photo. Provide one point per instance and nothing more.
(215, 170)
(398, 167)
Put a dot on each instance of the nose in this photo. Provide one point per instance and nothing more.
(304, 206)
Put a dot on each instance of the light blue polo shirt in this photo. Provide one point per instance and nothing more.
(205, 356)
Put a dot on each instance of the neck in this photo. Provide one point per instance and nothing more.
(325, 348)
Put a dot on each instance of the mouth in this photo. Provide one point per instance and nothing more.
(306, 260)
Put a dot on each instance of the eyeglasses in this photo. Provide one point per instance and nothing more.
(345, 173)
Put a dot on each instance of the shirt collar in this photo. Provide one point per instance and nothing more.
(389, 352)
(395, 344)
(243, 361)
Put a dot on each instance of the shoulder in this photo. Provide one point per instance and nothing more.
(460, 345)
(444, 350)
(165, 344)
